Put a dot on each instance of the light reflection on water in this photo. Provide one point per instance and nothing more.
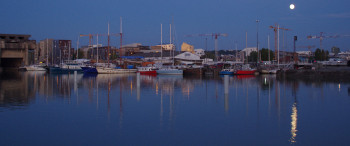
(161, 110)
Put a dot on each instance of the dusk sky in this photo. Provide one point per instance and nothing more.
(66, 19)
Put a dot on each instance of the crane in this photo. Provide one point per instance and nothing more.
(276, 29)
(116, 34)
(215, 35)
(322, 36)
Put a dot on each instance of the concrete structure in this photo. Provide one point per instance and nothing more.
(187, 48)
(16, 50)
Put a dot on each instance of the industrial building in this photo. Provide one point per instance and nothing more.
(16, 50)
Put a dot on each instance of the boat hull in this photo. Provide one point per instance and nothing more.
(35, 69)
(90, 70)
(244, 72)
(115, 71)
(170, 72)
(153, 72)
(58, 70)
(226, 73)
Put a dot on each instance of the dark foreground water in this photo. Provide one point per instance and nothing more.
(44, 109)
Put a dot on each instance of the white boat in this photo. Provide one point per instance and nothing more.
(108, 70)
(273, 71)
(35, 67)
(170, 71)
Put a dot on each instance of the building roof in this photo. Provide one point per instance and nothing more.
(187, 56)
(153, 54)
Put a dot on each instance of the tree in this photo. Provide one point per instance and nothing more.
(318, 55)
(335, 50)
(253, 56)
(321, 55)
(210, 54)
(265, 54)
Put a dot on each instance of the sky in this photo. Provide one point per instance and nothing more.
(67, 19)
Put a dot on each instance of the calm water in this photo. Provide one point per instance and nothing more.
(44, 109)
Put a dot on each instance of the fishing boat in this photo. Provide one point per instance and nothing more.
(227, 71)
(147, 70)
(68, 67)
(91, 69)
(109, 70)
(169, 71)
(245, 70)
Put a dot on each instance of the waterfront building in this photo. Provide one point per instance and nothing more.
(187, 48)
(131, 49)
(90, 52)
(45, 51)
(199, 52)
(17, 50)
(62, 51)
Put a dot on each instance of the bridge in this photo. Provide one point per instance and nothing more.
(16, 50)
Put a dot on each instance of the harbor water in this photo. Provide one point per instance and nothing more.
(37, 108)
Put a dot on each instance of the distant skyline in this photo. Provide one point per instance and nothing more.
(65, 19)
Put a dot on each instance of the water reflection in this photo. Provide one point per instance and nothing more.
(170, 102)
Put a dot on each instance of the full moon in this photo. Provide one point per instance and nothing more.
(291, 6)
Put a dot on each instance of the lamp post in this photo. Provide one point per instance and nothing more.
(257, 40)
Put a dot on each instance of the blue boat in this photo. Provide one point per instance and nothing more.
(227, 72)
(60, 70)
(89, 70)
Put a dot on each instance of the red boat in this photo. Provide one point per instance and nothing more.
(147, 70)
(244, 72)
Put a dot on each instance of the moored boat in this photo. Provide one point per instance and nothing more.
(245, 70)
(35, 67)
(107, 70)
(89, 69)
(147, 70)
(170, 71)
(226, 71)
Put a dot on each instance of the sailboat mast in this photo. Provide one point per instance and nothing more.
(69, 51)
(47, 51)
(161, 40)
(278, 45)
(268, 46)
(121, 35)
(236, 50)
(78, 48)
(170, 42)
(108, 46)
(97, 49)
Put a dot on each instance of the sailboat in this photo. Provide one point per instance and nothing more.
(168, 70)
(112, 70)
